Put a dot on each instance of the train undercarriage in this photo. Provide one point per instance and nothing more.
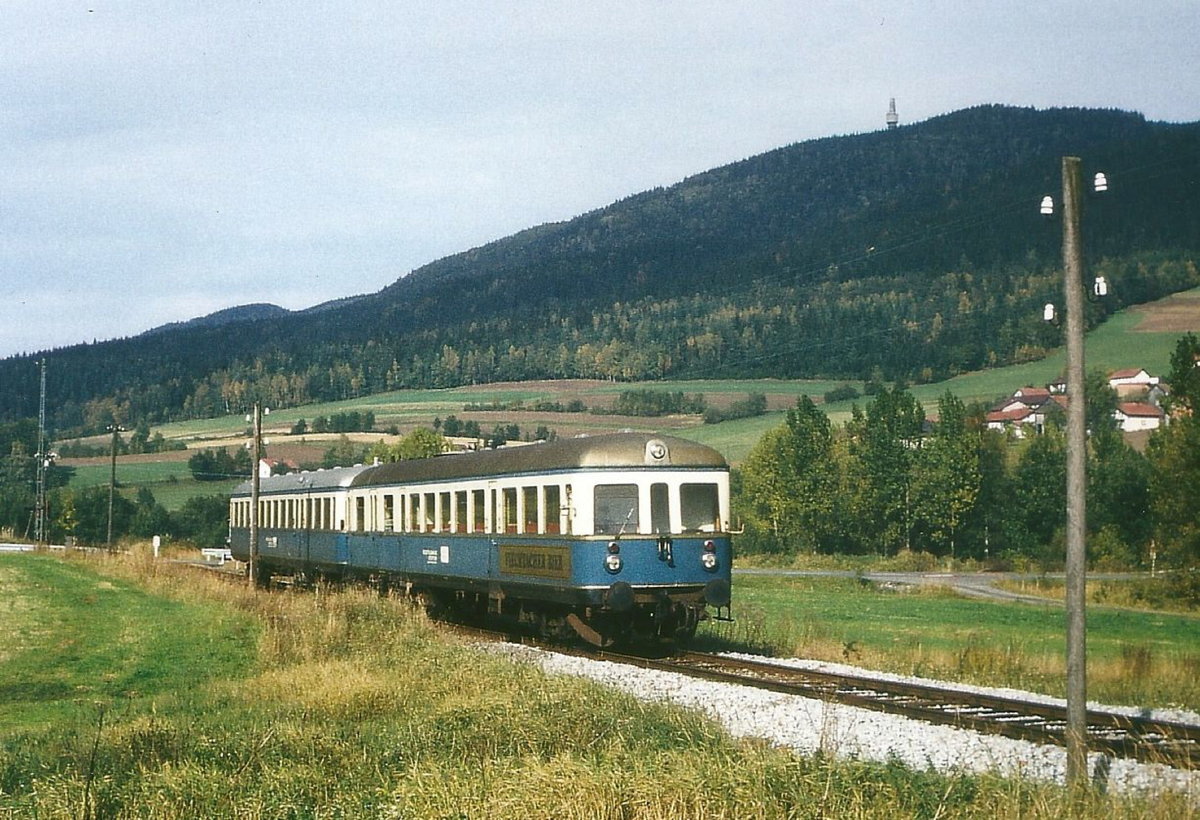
(619, 616)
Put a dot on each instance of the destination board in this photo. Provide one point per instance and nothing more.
(537, 561)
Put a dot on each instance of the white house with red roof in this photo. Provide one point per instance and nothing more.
(1134, 416)
(1027, 410)
(1013, 420)
(1033, 396)
(1136, 384)
(1132, 376)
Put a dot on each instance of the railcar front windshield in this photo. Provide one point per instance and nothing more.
(691, 506)
(616, 509)
(699, 507)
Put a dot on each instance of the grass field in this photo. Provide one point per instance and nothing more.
(1135, 657)
(161, 693)
(74, 642)
(170, 481)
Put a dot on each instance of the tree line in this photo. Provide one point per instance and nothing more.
(886, 483)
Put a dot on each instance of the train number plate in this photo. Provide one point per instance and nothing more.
(538, 561)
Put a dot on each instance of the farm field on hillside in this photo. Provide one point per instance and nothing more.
(1143, 336)
(168, 479)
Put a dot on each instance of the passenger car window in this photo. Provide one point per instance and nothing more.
(553, 508)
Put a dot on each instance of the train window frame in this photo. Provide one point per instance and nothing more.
(552, 506)
(690, 519)
(479, 510)
(428, 512)
(414, 512)
(445, 512)
(389, 512)
(616, 508)
(460, 513)
(509, 511)
(659, 496)
(530, 504)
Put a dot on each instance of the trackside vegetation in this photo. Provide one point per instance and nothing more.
(351, 705)
(1136, 657)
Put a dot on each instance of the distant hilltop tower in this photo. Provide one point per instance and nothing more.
(893, 119)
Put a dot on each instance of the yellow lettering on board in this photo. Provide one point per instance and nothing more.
(537, 561)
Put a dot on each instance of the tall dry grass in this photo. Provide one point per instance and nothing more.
(360, 708)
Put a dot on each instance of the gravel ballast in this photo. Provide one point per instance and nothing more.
(809, 725)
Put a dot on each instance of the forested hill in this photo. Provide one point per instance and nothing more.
(916, 252)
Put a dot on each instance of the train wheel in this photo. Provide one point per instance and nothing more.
(687, 618)
(431, 603)
(262, 575)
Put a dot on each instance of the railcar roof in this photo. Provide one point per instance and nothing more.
(309, 480)
(584, 452)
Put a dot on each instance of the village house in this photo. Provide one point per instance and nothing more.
(1134, 416)
(1027, 410)
(1131, 380)
(1135, 384)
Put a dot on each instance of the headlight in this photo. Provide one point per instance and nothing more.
(612, 563)
(708, 560)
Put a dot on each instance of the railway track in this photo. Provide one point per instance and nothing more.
(1116, 735)
(1144, 739)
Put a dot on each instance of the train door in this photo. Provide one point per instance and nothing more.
(660, 509)
(492, 517)
(660, 521)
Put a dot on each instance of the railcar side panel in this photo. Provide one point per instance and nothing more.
(619, 530)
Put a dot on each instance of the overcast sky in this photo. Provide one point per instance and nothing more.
(162, 160)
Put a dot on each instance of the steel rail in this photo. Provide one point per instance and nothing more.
(1118, 735)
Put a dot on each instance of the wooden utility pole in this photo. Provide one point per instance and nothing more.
(112, 480)
(40, 533)
(255, 457)
(1076, 735)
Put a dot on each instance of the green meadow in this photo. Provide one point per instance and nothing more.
(142, 689)
(76, 642)
(1135, 657)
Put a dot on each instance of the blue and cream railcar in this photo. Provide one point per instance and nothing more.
(611, 536)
